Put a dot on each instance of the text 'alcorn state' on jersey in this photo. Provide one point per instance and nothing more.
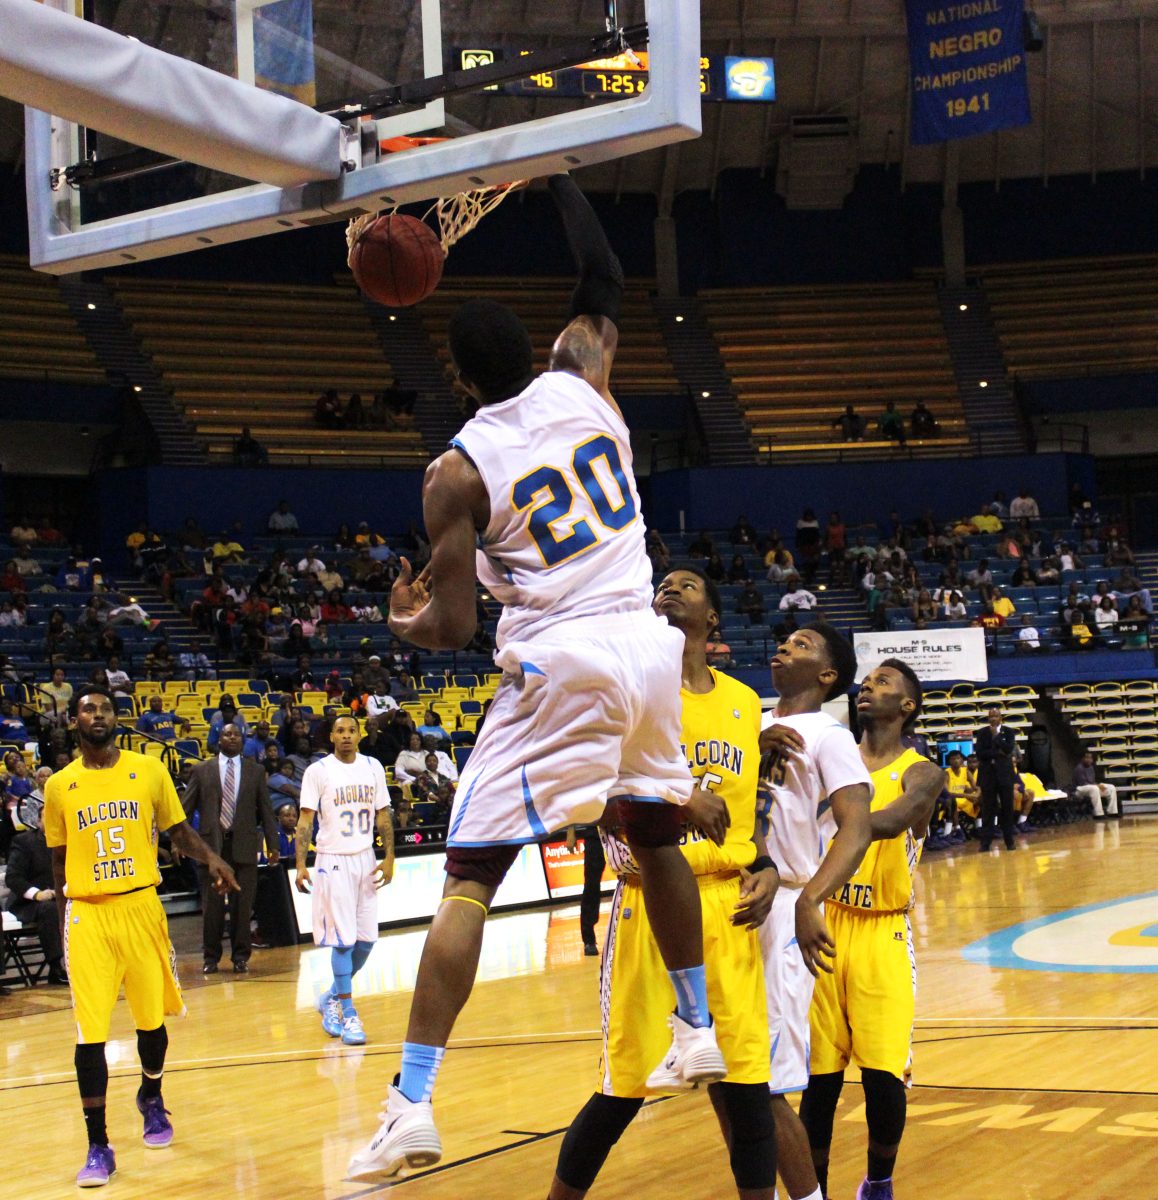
(565, 537)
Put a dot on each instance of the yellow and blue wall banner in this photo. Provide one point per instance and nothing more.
(283, 49)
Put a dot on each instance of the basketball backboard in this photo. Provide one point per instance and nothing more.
(96, 200)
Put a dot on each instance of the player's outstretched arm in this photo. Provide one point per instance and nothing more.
(186, 839)
(913, 808)
(436, 610)
(302, 836)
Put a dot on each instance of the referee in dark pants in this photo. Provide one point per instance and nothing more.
(593, 864)
(994, 746)
(231, 798)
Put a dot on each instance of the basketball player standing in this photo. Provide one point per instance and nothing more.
(348, 792)
(864, 1010)
(540, 482)
(816, 770)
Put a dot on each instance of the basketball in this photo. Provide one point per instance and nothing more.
(397, 260)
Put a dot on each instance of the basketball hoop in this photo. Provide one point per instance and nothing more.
(455, 215)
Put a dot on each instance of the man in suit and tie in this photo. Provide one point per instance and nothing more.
(230, 795)
(994, 746)
(33, 894)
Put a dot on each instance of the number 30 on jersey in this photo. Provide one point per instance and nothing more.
(549, 494)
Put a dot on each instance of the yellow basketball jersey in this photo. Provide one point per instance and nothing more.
(109, 820)
(958, 782)
(884, 880)
(721, 740)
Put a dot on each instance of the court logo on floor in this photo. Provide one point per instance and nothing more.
(1112, 937)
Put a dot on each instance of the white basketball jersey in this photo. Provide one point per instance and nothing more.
(566, 538)
(794, 802)
(345, 796)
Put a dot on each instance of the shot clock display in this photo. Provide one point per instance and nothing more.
(730, 77)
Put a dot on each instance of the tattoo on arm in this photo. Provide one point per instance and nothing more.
(186, 839)
(305, 832)
(386, 832)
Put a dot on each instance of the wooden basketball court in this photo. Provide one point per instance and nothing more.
(1028, 1082)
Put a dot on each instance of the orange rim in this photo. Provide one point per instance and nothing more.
(396, 144)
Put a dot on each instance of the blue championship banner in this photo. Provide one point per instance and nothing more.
(967, 62)
(283, 49)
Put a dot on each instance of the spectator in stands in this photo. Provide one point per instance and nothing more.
(743, 532)
(410, 762)
(159, 723)
(785, 627)
(12, 726)
(1127, 585)
(1024, 505)
(835, 545)
(714, 569)
(808, 544)
(701, 546)
(12, 580)
(658, 552)
(311, 562)
(1118, 554)
(29, 810)
(160, 664)
(998, 506)
(1002, 605)
(430, 786)
(23, 533)
(295, 643)
(986, 521)
(922, 422)
(32, 898)
(255, 745)
(953, 606)
(1024, 576)
(981, 576)
(379, 701)
(226, 714)
(988, 619)
(292, 728)
(750, 603)
(891, 425)
(286, 815)
(26, 564)
(195, 663)
(851, 424)
(1087, 787)
(738, 571)
(356, 416)
(781, 565)
(1028, 636)
(56, 697)
(281, 520)
(344, 538)
(1086, 516)
(328, 410)
(1106, 616)
(335, 609)
(432, 726)
(374, 744)
(367, 537)
(1082, 626)
(228, 548)
(284, 783)
(303, 755)
(248, 451)
(1134, 625)
(73, 578)
(923, 606)
(404, 688)
(796, 596)
(47, 532)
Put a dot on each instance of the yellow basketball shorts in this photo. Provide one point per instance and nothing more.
(120, 939)
(864, 1011)
(966, 808)
(636, 996)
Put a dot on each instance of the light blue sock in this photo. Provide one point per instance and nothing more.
(361, 953)
(419, 1070)
(341, 960)
(691, 989)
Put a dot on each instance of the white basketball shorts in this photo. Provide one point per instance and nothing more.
(586, 712)
(345, 900)
(788, 983)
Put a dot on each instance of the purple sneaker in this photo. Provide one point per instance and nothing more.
(875, 1189)
(158, 1127)
(99, 1167)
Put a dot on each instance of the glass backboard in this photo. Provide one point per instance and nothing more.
(509, 103)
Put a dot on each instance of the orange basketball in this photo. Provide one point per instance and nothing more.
(397, 260)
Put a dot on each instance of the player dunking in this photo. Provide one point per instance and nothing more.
(101, 817)
(816, 769)
(348, 792)
(736, 878)
(864, 1010)
(540, 482)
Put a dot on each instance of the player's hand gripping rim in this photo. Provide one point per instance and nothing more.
(410, 594)
(812, 936)
(757, 891)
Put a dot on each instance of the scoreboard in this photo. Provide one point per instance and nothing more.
(726, 77)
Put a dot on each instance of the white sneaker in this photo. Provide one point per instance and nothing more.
(406, 1138)
(693, 1058)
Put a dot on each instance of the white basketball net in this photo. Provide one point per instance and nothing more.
(456, 215)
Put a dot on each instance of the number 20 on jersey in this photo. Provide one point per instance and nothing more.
(549, 494)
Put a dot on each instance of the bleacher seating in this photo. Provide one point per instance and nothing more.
(39, 339)
(1119, 722)
(1076, 317)
(798, 355)
(252, 354)
(641, 362)
(964, 708)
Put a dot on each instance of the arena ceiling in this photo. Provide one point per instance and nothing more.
(1094, 86)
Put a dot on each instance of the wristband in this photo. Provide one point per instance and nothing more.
(762, 864)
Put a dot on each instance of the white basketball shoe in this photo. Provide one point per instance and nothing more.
(406, 1138)
(694, 1058)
